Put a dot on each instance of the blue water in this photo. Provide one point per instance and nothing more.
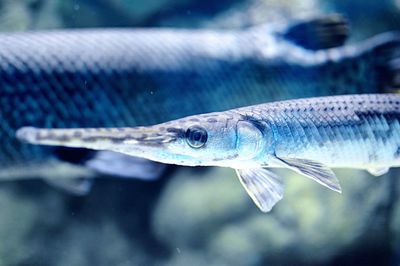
(198, 216)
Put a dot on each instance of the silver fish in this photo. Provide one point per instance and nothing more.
(308, 136)
(116, 77)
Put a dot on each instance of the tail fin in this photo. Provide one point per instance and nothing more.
(318, 33)
(383, 52)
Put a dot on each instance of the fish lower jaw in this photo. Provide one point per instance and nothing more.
(238, 164)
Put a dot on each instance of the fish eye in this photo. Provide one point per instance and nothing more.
(196, 136)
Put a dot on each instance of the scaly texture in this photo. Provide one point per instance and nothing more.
(111, 78)
(360, 131)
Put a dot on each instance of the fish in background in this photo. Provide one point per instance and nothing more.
(308, 136)
(130, 77)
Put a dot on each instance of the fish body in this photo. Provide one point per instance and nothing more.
(131, 77)
(355, 131)
(308, 136)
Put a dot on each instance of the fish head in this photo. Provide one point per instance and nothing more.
(216, 139)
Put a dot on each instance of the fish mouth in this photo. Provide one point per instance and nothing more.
(149, 138)
(98, 137)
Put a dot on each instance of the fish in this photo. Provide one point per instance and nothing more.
(131, 77)
(308, 136)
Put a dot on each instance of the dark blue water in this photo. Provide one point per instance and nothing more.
(198, 216)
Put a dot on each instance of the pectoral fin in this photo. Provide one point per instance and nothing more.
(122, 165)
(263, 186)
(378, 171)
(111, 163)
(75, 186)
(314, 170)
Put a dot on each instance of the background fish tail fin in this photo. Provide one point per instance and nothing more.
(320, 32)
(384, 52)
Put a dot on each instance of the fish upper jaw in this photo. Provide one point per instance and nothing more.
(27, 134)
(116, 139)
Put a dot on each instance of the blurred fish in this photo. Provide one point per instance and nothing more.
(130, 77)
(304, 135)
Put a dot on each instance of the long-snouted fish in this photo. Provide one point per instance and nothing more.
(306, 135)
(117, 77)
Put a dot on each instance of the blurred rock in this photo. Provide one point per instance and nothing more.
(42, 226)
(311, 224)
(22, 15)
(202, 202)
(394, 232)
(116, 13)
(254, 12)
(367, 17)
(46, 14)
(22, 221)
(204, 216)
(15, 15)
(103, 244)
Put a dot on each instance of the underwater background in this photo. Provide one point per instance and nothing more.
(199, 216)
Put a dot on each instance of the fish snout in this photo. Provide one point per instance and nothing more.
(27, 134)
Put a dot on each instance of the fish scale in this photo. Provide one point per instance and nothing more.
(307, 136)
(328, 134)
(128, 77)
